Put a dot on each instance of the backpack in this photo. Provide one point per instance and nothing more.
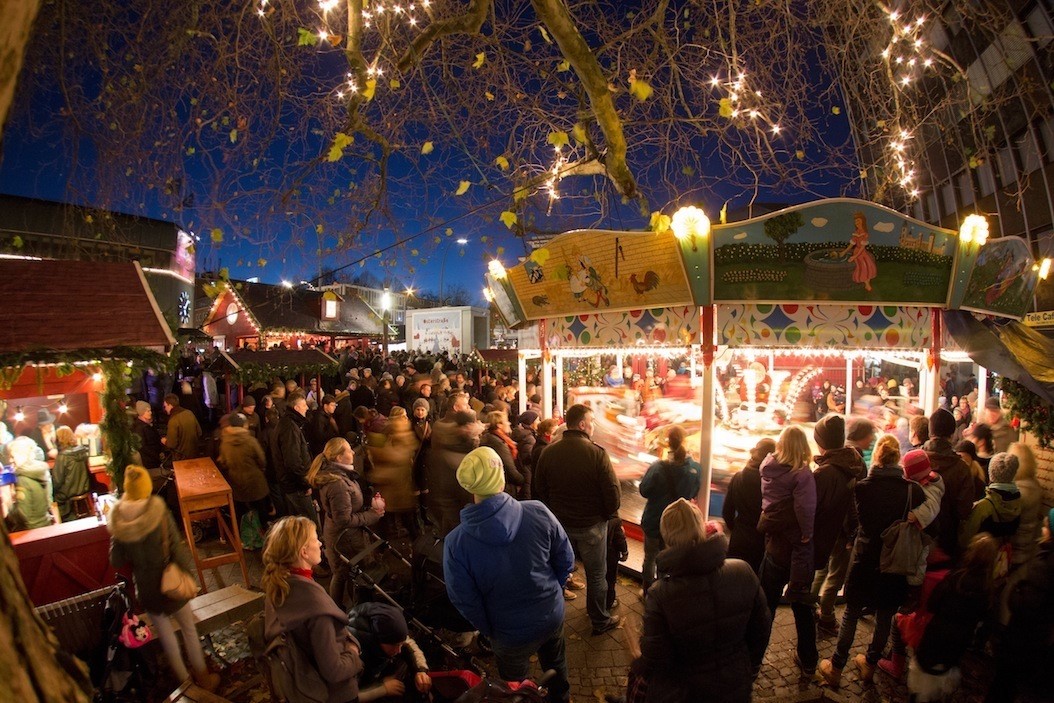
(292, 676)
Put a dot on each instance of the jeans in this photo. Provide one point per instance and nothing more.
(847, 633)
(514, 663)
(591, 546)
(773, 579)
(163, 627)
(652, 546)
(830, 579)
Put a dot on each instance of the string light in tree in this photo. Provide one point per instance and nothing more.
(742, 103)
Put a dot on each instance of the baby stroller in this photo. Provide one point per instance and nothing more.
(127, 673)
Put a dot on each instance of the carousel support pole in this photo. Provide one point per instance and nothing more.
(618, 364)
(848, 385)
(559, 404)
(706, 421)
(933, 362)
(547, 384)
(692, 367)
(521, 375)
(982, 390)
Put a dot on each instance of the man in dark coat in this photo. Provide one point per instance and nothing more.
(292, 458)
(575, 479)
(957, 502)
(252, 420)
(742, 508)
(184, 432)
(838, 469)
(150, 447)
(322, 426)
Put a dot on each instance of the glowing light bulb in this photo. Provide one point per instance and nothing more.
(496, 269)
(97, 377)
(1044, 269)
(19, 415)
(323, 35)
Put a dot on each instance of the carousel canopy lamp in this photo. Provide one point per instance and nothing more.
(688, 223)
(974, 229)
(496, 269)
(97, 377)
(488, 295)
(63, 407)
(1044, 269)
(19, 415)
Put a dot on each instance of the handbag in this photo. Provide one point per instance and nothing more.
(902, 546)
(176, 583)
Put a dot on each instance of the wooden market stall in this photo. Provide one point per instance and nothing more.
(68, 327)
(759, 314)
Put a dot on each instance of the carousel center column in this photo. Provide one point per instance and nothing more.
(706, 420)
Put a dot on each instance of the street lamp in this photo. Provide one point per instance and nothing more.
(386, 306)
(460, 241)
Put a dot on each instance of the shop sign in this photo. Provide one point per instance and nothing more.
(1044, 318)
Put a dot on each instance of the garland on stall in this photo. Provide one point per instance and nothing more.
(1028, 411)
(66, 360)
(121, 442)
(250, 373)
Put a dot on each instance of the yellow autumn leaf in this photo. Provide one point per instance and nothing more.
(336, 149)
(558, 139)
(659, 222)
(394, 84)
(217, 235)
(520, 193)
(449, 231)
(483, 239)
(800, 154)
(579, 133)
(836, 110)
(724, 107)
(463, 188)
(427, 147)
(723, 219)
(563, 66)
(641, 90)
(481, 58)
(414, 252)
(371, 89)
(489, 95)
(545, 35)
(509, 218)
(502, 163)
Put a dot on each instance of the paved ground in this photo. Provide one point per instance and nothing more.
(597, 665)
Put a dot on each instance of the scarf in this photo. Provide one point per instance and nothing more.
(306, 573)
(498, 432)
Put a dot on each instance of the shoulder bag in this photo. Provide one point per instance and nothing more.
(176, 583)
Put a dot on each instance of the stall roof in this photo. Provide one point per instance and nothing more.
(279, 358)
(498, 356)
(63, 306)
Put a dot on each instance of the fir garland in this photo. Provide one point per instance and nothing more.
(1028, 411)
(250, 373)
(121, 442)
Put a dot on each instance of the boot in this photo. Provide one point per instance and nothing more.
(831, 675)
(894, 667)
(207, 680)
(867, 669)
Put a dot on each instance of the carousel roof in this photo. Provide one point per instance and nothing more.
(63, 306)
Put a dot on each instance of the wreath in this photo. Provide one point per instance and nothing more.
(1028, 411)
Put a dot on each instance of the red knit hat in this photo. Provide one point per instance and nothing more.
(916, 465)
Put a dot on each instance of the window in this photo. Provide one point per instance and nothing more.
(1046, 130)
(986, 179)
(965, 184)
(329, 309)
(948, 198)
(919, 210)
(1039, 26)
(1007, 168)
(1028, 151)
(933, 214)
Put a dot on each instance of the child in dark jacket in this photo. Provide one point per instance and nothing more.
(618, 550)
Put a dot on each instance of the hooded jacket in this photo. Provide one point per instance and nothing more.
(837, 472)
(1026, 539)
(703, 603)
(320, 629)
(663, 483)
(779, 482)
(998, 514)
(958, 499)
(70, 477)
(243, 459)
(33, 493)
(505, 566)
(136, 537)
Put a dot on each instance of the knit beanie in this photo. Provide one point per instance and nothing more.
(141, 407)
(528, 418)
(829, 432)
(481, 473)
(237, 420)
(387, 623)
(248, 402)
(859, 428)
(942, 423)
(916, 465)
(991, 403)
(137, 483)
(422, 403)
(1002, 468)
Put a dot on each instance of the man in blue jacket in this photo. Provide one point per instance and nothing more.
(505, 566)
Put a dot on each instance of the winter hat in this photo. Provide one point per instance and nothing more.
(481, 472)
(829, 432)
(942, 423)
(528, 418)
(387, 623)
(248, 402)
(967, 447)
(992, 403)
(422, 403)
(859, 428)
(137, 483)
(142, 407)
(916, 465)
(1002, 468)
(236, 420)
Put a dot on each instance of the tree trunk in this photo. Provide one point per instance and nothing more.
(32, 667)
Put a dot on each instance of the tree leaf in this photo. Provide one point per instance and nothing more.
(800, 154)
(545, 35)
(305, 37)
(659, 222)
(564, 65)
(836, 110)
(233, 136)
(579, 133)
(520, 193)
(370, 90)
(394, 84)
(509, 218)
(558, 139)
(481, 58)
(336, 149)
(641, 90)
(217, 235)
(489, 95)
(427, 147)
(502, 163)
(190, 151)
(16, 242)
(463, 187)
(724, 107)
(688, 170)
(261, 262)
(449, 231)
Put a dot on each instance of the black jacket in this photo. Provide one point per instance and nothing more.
(957, 502)
(321, 427)
(741, 512)
(836, 474)
(290, 453)
(575, 479)
(513, 477)
(706, 626)
(150, 447)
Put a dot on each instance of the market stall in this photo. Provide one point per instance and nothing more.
(243, 368)
(834, 306)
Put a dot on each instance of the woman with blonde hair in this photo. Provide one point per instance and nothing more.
(499, 438)
(336, 482)
(297, 606)
(702, 602)
(70, 476)
(788, 513)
